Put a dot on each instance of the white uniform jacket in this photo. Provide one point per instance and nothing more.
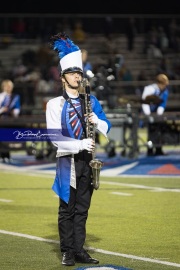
(62, 119)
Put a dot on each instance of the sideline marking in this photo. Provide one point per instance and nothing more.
(103, 267)
(93, 249)
(39, 168)
(121, 193)
(4, 200)
(49, 173)
(141, 186)
(118, 170)
(158, 189)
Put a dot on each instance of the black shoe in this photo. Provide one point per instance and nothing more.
(84, 257)
(150, 152)
(159, 151)
(68, 259)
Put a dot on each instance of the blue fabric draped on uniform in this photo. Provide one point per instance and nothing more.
(61, 185)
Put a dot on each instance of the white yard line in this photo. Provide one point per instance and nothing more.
(157, 189)
(122, 193)
(5, 200)
(45, 174)
(94, 249)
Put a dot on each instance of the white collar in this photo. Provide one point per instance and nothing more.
(72, 96)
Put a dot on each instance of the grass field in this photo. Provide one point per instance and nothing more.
(133, 223)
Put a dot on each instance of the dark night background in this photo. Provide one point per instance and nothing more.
(90, 7)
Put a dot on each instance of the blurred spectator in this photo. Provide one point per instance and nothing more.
(87, 66)
(163, 41)
(165, 67)
(153, 52)
(52, 72)
(2, 70)
(29, 57)
(142, 76)
(18, 73)
(173, 35)
(109, 46)
(108, 26)
(151, 39)
(18, 69)
(78, 33)
(104, 90)
(153, 36)
(125, 73)
(117, 65)
(6, 41)
(66, 27)
(176, 67)
(131, 32)
(19, 28)
(31, 79)
(43, 57)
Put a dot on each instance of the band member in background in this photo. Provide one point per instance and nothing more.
(9, 102)
(73, 181)
(10, 106)
(155, 97)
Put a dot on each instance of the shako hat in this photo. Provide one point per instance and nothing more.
(69, 53)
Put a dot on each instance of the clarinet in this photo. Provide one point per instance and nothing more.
(95, 164)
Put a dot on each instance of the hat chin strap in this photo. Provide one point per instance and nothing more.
(70, 86)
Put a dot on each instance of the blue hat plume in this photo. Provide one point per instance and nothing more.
(68, 52)
(63, 45)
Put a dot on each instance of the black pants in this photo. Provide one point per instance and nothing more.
(72, 217)
(155, 151)
(4, 150)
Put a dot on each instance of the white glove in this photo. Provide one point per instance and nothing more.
(87, 144)
(151, 119)
(93, 118)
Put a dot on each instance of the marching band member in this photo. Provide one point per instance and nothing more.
(155, 97)
(73, 181)
(9, 107)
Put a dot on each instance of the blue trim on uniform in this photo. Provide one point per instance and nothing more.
(97, 109)
(164, 96)
(14, 102)
(61, 185)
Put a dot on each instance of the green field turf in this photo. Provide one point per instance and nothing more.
(133, 223)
